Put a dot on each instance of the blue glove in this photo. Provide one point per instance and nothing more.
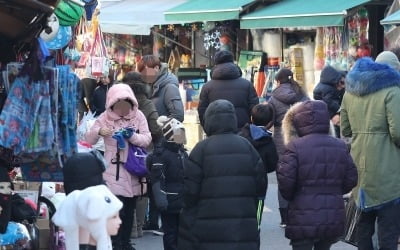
(128, 132)
(120, 139)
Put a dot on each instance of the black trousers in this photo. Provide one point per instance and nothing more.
(312, 244)
(388, 219)
(127, 215)
(154, 214)
(170, 224)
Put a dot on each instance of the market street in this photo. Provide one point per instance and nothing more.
(272, 236)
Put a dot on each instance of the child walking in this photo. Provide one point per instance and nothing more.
(314, 172)
(257, 133)
(166, 165)
(121, 114)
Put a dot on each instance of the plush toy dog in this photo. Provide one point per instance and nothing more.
(89, 209)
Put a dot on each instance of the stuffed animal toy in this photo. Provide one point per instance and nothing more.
(89, 209)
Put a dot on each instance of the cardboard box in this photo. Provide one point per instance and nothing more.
(44, 233)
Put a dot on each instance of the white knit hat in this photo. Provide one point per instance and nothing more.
(88, 209)
(389, 58)
(173, 130)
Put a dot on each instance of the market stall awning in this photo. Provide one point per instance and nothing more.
(299, 13)
(210, 10)
(392, 19)
(134, 17)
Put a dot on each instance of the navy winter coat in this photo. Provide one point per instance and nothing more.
(313, 174)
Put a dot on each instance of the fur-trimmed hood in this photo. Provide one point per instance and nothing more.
(368, 77)
(305, 118)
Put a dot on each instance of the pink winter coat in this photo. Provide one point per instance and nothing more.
(127, 184)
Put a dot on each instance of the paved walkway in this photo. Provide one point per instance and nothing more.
(272, 236)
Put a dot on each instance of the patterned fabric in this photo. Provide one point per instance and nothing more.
(19, 113)
(68, 83)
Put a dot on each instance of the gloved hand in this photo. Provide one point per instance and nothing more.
(120, 139)
(127, 132)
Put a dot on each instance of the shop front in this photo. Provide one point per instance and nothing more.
(310, 36)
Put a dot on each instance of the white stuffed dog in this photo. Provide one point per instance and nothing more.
(89, 209)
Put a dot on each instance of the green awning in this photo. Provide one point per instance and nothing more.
(392, 19)
(206, 10)
(299, 13)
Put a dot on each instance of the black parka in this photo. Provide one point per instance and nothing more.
(228, 84)
(224, 180)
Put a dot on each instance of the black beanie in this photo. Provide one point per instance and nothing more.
(83, 170)
(284, 75)
(223, 56)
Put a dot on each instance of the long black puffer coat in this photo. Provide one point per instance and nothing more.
(313, 174)
(224, 180)
(228, 84)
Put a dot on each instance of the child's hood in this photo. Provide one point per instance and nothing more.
(258, 133)
(118, 92)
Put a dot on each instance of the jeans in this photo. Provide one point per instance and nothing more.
(170, 224)
(388, 220)
(312, 244)
(126, 215)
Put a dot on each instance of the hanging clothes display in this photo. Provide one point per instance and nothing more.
(38, 120)
(19, 113)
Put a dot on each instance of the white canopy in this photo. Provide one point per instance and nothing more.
(134, 17)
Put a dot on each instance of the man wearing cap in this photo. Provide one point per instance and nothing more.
(226, 83)
(370, 115)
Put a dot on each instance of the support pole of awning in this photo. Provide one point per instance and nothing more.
(178, 43)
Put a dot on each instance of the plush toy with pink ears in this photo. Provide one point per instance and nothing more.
(93, 209)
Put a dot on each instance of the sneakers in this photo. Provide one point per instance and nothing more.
(282, 225)
(159, 232)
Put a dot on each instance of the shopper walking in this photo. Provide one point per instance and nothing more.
(227, 83)
(313, 174)
(287, 93)
(120, 124)
(99, 96)
(166, 97)
(370, 115)
(330, 89)
(165, 88)
(142, 92)
(224, 183)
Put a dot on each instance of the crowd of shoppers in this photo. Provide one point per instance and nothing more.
(212, 197)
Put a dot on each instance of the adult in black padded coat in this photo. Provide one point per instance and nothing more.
(330, 90)
(227, 83)
(224, 181)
